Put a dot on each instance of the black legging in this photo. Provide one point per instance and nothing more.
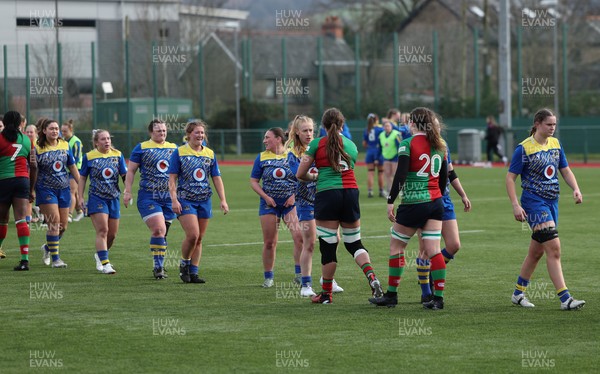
(493, 148)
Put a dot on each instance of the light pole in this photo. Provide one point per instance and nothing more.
(235, 26)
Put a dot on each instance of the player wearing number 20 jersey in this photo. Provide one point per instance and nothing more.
(422, 181)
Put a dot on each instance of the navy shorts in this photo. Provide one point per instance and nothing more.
(337, 205)
(97, 204)
(374, 155)
(14, 188)
(417, 215)
(60, 196)
(149, 207)
(200, 209)
(449, 213)
(279, 210)
(539, 210)
(305, 212)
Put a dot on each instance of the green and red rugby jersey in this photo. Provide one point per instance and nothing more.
(14, 157)
(422, 181)
(329, 179)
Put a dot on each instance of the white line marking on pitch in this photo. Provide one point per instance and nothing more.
(291, 241)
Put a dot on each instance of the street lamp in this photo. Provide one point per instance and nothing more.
(107, 88)
(235, 26)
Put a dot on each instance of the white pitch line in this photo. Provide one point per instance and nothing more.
(291, 241)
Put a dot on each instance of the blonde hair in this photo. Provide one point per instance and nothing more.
(293, 137)
(189, 128)
(96, 134)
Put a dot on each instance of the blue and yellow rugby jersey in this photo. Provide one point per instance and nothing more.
(372, 137)
(278, 181)
(446, 191)
(154, 159)
(305, 192)
(538, 166)
(194, 169)
(52, 165)
(103, 170)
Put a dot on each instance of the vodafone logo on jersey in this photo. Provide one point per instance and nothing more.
(57, 166)
(313, 170)
(107, 173)
(550, 171)
(199, 175)
(279, 173)
(162, 166)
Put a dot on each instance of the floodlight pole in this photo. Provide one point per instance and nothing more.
(504, 71)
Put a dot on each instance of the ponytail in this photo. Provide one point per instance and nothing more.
(333, 121)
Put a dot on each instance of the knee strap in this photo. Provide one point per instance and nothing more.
(328, 251)
(544, 235)
(328, 235)
(398, 236)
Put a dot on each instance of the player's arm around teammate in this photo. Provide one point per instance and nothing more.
(190, 167)
(102, 166)
(537, 160)
(277, 200)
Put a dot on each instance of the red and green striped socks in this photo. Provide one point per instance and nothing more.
(438, 274)
(396, 265)
(23, 234)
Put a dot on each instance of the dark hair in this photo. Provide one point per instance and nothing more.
(190, 126)
(424, 119)
(278, 132)
(154, 122)
(391, 112)
(42, 124)
(69, 124)
(293, 136)
(539, 117)
(371, 121)
(12, 122)
(333, 121)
